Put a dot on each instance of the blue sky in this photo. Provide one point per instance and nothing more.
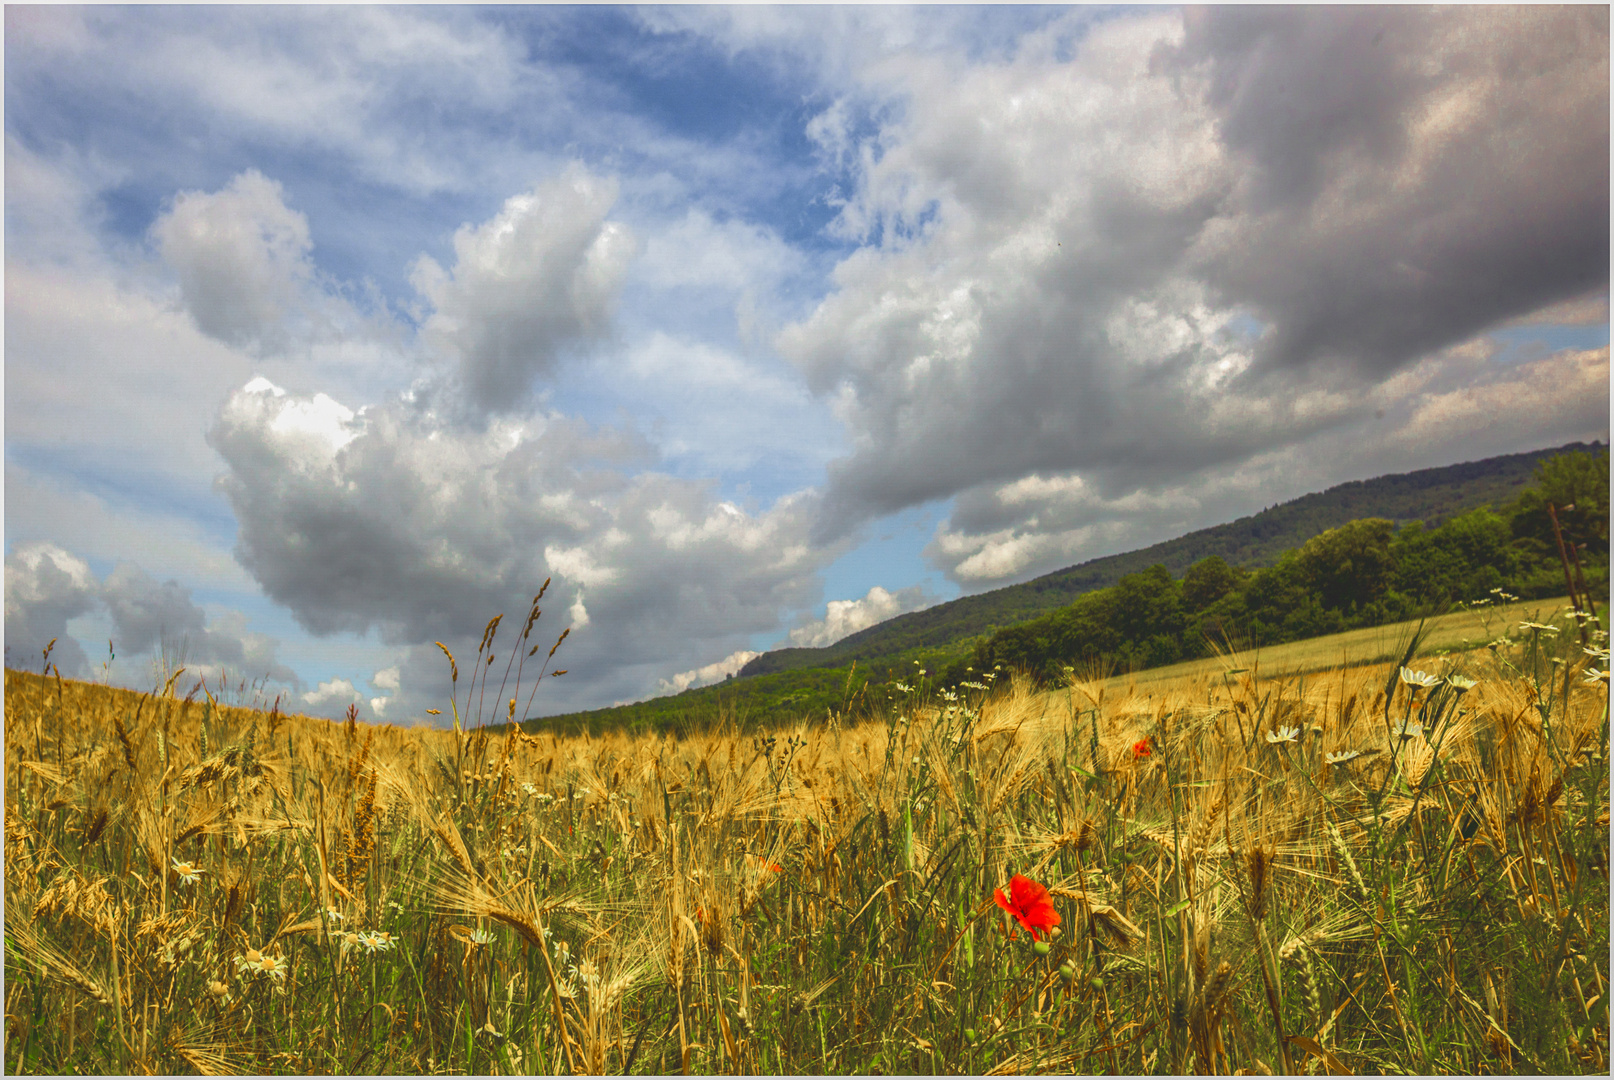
(333, 332)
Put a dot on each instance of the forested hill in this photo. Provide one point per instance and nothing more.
(1428, 495)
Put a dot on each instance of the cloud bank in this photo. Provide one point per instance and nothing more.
(1090, 286)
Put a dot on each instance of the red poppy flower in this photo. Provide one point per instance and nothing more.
(1028, 902)
(1141, 748)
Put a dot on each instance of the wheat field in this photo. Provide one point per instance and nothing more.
(1392, 868)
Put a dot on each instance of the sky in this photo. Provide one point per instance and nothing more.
(332, 333)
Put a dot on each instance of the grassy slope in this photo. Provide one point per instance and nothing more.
(1446, 635)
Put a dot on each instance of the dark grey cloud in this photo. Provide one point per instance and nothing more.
(1093, 284)
(1411, 177)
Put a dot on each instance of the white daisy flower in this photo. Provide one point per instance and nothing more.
(1283, 735)
(257, 963)
(1419, 678)
(188, 874)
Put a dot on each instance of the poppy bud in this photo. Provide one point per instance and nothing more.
(1041, 948)
(969, 1034)
(1067, 971)
(1097, 983)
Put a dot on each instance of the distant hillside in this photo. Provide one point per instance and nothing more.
(1427, 495)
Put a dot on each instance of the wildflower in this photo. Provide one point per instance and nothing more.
(1141, 749)
(1594, 676)
(1283, 735)
(481, 937)
(528, 790)
(333, 915)
(1544, 627)
(1028, 902)
(1342, 757)
(1407, 729)
(256, 963)
(1419, 678)
(1463, 684)
(188, 874)
(374, 941)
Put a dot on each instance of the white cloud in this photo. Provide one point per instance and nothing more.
(331, 695)
(423, 530)
(541, 275)
(715, 672)
(843, 618)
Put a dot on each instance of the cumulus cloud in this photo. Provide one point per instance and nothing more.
(46, 587)
(389, 518)
(539, 276)
(715, 672)
(1090, 281)
(842, 618)
(332, 695)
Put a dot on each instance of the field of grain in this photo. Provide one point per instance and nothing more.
(1398, 867)
(1464, 629)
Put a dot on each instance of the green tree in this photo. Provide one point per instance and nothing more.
(1461, 560)
(1206, 582)
(1576, 485)
(1351, 566)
